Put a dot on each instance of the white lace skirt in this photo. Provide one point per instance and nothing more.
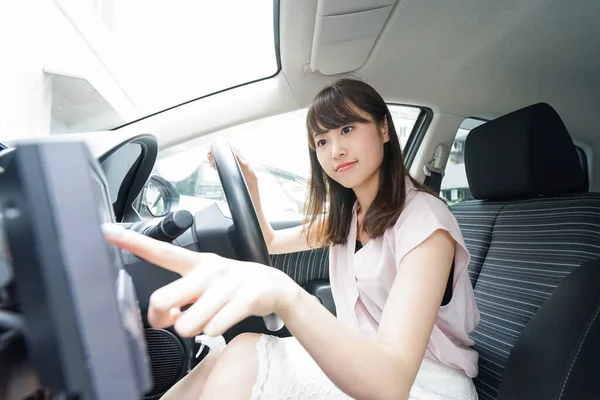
(287, 372)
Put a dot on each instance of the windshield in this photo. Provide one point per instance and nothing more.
(91, 65)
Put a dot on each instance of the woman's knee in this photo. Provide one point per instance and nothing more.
(207, 364)
(240, 351)
(239, 360)
(192, 384)
(245, 342)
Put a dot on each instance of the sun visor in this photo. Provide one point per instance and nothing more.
(345, 33)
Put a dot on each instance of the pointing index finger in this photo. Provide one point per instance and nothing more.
(165, 255)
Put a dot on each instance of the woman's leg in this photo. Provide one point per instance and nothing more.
(234, 375)
(190, 386)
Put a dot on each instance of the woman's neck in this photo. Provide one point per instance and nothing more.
(366, 192)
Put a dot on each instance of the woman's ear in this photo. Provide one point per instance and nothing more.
(385, 130)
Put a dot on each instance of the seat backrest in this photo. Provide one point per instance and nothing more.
(476, 219)
(531, 225)
(562, 342)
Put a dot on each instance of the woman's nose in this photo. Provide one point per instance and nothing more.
(337, 150)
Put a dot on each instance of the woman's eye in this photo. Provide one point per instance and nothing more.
(347, 129)
(321, 142)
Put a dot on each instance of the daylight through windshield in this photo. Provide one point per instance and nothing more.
(90, 65)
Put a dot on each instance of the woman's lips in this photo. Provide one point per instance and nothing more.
(345, 166)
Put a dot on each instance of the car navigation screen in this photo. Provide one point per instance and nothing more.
(81, 321)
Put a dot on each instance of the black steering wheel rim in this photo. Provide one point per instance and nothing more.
(252, 246)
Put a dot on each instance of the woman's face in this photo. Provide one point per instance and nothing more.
(352, 154)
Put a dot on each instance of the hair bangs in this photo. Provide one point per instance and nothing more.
(330, 110)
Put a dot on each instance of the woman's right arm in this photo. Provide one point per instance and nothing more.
(279, 241)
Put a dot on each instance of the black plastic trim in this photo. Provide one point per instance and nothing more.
(136, 178)
(584, 166)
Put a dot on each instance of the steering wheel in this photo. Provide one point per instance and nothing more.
(252, 243)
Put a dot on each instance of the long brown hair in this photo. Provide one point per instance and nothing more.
(329, 205)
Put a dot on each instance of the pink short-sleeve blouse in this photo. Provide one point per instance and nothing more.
(361, 281)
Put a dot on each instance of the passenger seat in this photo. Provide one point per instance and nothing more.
(532, 224)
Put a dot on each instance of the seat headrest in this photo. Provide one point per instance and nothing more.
(524, 154)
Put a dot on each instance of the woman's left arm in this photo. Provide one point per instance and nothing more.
(385, 368)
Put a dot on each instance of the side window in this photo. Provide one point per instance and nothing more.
(404, 121)
(276, 147)
(455, 186)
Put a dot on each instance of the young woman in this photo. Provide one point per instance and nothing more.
(398, 272)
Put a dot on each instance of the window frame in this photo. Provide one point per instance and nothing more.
(415, 139)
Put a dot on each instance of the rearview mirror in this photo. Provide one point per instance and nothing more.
(159, 197)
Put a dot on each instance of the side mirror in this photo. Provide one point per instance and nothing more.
(159, 197)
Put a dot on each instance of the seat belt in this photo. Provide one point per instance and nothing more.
(434, 181)
(434, 171)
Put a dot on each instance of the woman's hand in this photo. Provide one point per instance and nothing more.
(222, 291)
(252, 184)
(247, 171)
